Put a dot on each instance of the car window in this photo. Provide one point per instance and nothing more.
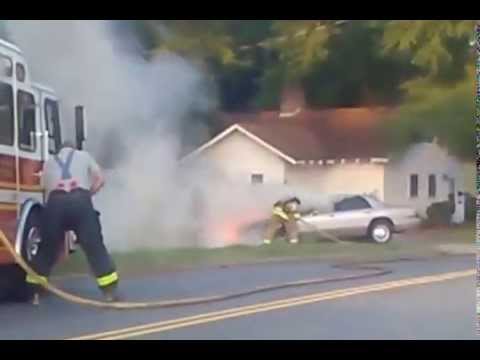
(375, 202)
(352, 203)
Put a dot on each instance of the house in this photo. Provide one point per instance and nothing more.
(331, 151)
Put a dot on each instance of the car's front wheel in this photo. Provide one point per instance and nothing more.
(380, 231)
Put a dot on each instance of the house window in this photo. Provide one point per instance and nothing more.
(432, 186)
(414, 185)
(256, 179)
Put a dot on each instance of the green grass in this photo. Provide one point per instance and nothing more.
(155, 260)
(464, 234)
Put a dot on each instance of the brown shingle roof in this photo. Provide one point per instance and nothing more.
(316, 135)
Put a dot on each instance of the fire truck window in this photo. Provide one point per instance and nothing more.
(52, 118)
(6, 67)
(26, 121)
(6, 114)
(20, 70)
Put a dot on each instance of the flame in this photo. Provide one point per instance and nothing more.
(229, 229)
(230, 233)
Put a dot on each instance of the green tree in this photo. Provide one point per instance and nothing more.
(445, 112)
(217, 46)
(239, 82)
(357, 72)
(296, 47)
(337, 64)
(198, 40)
(301, 44)
(439, 102)
(431, 43)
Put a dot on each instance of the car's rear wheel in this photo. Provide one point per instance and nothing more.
(380, 231)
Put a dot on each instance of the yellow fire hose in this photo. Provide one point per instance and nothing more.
(374, 272)
(321, 232)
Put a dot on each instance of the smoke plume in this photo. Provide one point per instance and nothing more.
(136, 110)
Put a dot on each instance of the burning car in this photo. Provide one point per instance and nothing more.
(361, 215)
(353, 216)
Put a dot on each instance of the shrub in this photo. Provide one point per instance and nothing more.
(440, 213)
(470, 207)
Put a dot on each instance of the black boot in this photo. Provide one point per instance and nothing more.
(110, 293)
(31, 294)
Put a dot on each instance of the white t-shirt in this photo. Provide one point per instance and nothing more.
(82, 169)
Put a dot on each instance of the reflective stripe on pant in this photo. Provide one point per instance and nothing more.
(107, 280)
(73, 211)
(36, 280)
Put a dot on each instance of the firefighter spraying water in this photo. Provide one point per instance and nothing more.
(284, 217)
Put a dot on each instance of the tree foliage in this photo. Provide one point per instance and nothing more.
(430, 42)
(443, 112)
(424, 68)
(357, 72)
(440, 101)
(301, 44)
(200, 40)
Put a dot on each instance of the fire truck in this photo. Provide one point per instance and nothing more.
(30, 131)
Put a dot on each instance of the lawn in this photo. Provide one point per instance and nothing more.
(423, 243)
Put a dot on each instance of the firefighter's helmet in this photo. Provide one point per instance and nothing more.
(289, 200)
(294, 199)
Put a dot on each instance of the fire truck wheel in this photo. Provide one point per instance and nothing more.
(13, 287)
(5, 282)
(31, 237)
(12, 280)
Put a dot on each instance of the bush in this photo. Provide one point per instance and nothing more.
(440, 213)
(470, 207)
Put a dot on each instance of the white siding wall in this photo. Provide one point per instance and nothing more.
(238, 157)
(422, 159)
(470, 174)
(332, 179)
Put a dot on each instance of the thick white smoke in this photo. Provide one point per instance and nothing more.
(135, 110)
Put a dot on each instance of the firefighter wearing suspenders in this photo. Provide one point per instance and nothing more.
(70, 179)
(284, 217)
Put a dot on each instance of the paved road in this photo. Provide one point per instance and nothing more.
(428, 305)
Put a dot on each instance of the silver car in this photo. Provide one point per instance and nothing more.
(361, 215)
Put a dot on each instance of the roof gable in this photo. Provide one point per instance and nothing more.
(349, 133)
(253, 137)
